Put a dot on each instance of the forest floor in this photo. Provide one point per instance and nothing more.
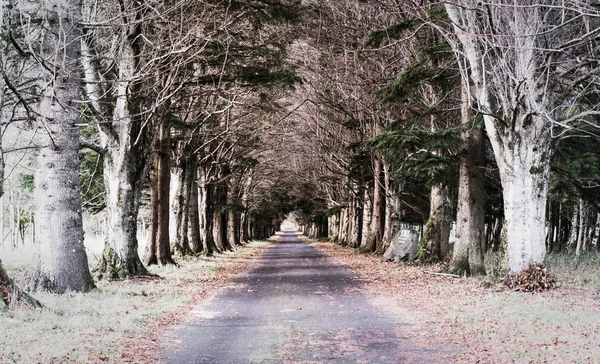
(127, 321)
(490, 324)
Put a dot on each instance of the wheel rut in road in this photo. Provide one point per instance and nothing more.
(294, 305)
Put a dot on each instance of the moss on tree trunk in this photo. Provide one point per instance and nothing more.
(11, 295)
(112, 267)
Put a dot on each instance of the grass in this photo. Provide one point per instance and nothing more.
(462, 318)
(120, 321)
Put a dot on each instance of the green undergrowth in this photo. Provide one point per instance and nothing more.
(94, 327)
(577, 272)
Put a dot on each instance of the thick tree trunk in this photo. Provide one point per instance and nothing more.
(375, 234)
(207, 215)
(467, 255)
(357, 217)
(158, 248)
(581, 238)
(367, 215)
(525, 185)
(234, 213)
(120, 257)
(434, 246)
(220, 217)
(181, 206)
(393, 209)
(129, 150)
(194, 235)
(61, 262)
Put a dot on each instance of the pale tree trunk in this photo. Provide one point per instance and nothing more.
(61, 262)
(357, 218)
(467, 255)
(194, 235)
(234, 214)
(596, 230)
(582, 228)
(574, 228)
(520, 135)
(367, 210)
(158, 248)
(333, 225)
(244, 218)
(181, 206)
(373, 240)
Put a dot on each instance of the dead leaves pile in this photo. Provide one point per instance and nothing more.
(535, 278)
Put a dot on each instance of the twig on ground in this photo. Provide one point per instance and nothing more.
(443, 274)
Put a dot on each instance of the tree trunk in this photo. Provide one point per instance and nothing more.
(367, 215)
(596, 230)
(581, 236)
(207, 214)
(181, 206)
(434, 246)
(61, 262)
(194, 235)
(158, 248)
(467, 255)
(220, 217)
(357, 217)
(234, 213)
(393, 209)
(374, 236)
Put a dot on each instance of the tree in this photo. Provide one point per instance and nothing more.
(531, 65)
(158, 249)
(61, 261)
(467, 255)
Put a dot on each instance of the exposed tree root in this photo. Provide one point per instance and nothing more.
(11, 295)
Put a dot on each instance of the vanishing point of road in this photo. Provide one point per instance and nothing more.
(294, 305)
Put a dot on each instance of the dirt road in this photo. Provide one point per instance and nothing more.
(295, 305)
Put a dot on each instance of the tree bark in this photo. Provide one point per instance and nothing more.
(194, 237)
(374, 236)
(367, 215)
(207, 215)
(158, 248)
(220, 217)
(357, 216)
(434, 246)
(393, 209)
(181, 206)
(61, 262)
(467, 255)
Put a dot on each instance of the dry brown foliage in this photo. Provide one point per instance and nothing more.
(535, 278)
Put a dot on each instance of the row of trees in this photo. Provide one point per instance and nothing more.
(171, 104)
(402, 99)
(361, 116)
